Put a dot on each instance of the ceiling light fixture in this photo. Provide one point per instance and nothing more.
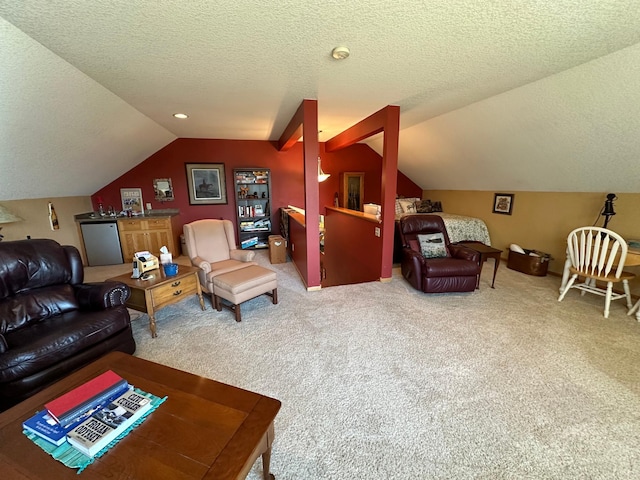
(340, 53)
(181, 116)
(321, 175)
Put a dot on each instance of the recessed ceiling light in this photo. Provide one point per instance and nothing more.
(181, 116)
(340, 53)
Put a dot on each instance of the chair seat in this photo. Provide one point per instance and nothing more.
(610, 278)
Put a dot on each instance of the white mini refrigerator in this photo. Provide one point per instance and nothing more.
(102, 243)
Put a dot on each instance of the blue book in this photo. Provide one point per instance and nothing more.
(45, 426)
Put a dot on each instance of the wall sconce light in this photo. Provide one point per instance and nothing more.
(321, 175)
(7, 217)
(607, 210)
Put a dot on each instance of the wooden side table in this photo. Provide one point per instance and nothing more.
(157, 292)
(485, 252)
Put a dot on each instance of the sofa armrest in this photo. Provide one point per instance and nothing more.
(242, 255)
(100, 296)
(412, 267)
(464, 253)
(201, 263)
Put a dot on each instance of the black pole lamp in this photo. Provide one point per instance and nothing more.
(607, 210)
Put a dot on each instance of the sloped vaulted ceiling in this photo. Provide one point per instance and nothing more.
(62, 133)
(517, 95)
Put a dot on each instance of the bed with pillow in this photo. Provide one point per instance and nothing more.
(460, 228)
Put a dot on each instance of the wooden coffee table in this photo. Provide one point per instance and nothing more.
(205, 429)
(485, 252)
(157, 292)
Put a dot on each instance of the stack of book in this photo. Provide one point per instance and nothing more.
(90, 416)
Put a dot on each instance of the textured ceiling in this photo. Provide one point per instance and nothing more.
(240, 70)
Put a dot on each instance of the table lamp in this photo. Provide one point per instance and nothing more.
(607, 210)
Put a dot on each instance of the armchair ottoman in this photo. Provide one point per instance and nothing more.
(242, 285)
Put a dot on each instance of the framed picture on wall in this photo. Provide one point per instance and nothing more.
(503, 203)
(132, 200)
(206, 183)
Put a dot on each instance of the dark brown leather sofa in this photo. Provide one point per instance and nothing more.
(458, 272)
(52, 323)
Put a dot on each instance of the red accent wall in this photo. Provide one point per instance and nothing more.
(352, 250)
(286, 174)
(406, 188)
(356, 158)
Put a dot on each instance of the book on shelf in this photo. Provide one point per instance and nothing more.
(249, 242)
(68, 407)
(264, 223)
(109, 422)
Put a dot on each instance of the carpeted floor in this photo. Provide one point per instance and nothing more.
(380, 381)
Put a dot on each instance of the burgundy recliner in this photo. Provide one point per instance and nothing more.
(455, 273)
(52, 323)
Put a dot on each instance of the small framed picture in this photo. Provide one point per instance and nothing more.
(206, 183)
(503, 203)
(132, 200)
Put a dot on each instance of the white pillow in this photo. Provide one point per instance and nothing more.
(432, 245)
(516, 248)
(408, 205)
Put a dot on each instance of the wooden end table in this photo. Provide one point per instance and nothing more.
(160, 290)
(204, 430)
(485, 252)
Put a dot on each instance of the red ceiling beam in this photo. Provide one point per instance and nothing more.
(294, 129)
(368, 127)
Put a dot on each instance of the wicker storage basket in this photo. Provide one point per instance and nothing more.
(531, 265)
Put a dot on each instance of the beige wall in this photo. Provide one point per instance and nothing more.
(542, 220)
(35, 213)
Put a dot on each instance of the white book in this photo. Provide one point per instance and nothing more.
(106, 424)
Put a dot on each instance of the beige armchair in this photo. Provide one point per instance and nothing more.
(212, 248)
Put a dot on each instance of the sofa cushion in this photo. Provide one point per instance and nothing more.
(423, 206)
(220, 268)
(35, 305)
(45, 343)
(408, 205)
(29, 264)
(432, 245)
(398, 207)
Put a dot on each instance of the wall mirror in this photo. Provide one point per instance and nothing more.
(163, 189)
